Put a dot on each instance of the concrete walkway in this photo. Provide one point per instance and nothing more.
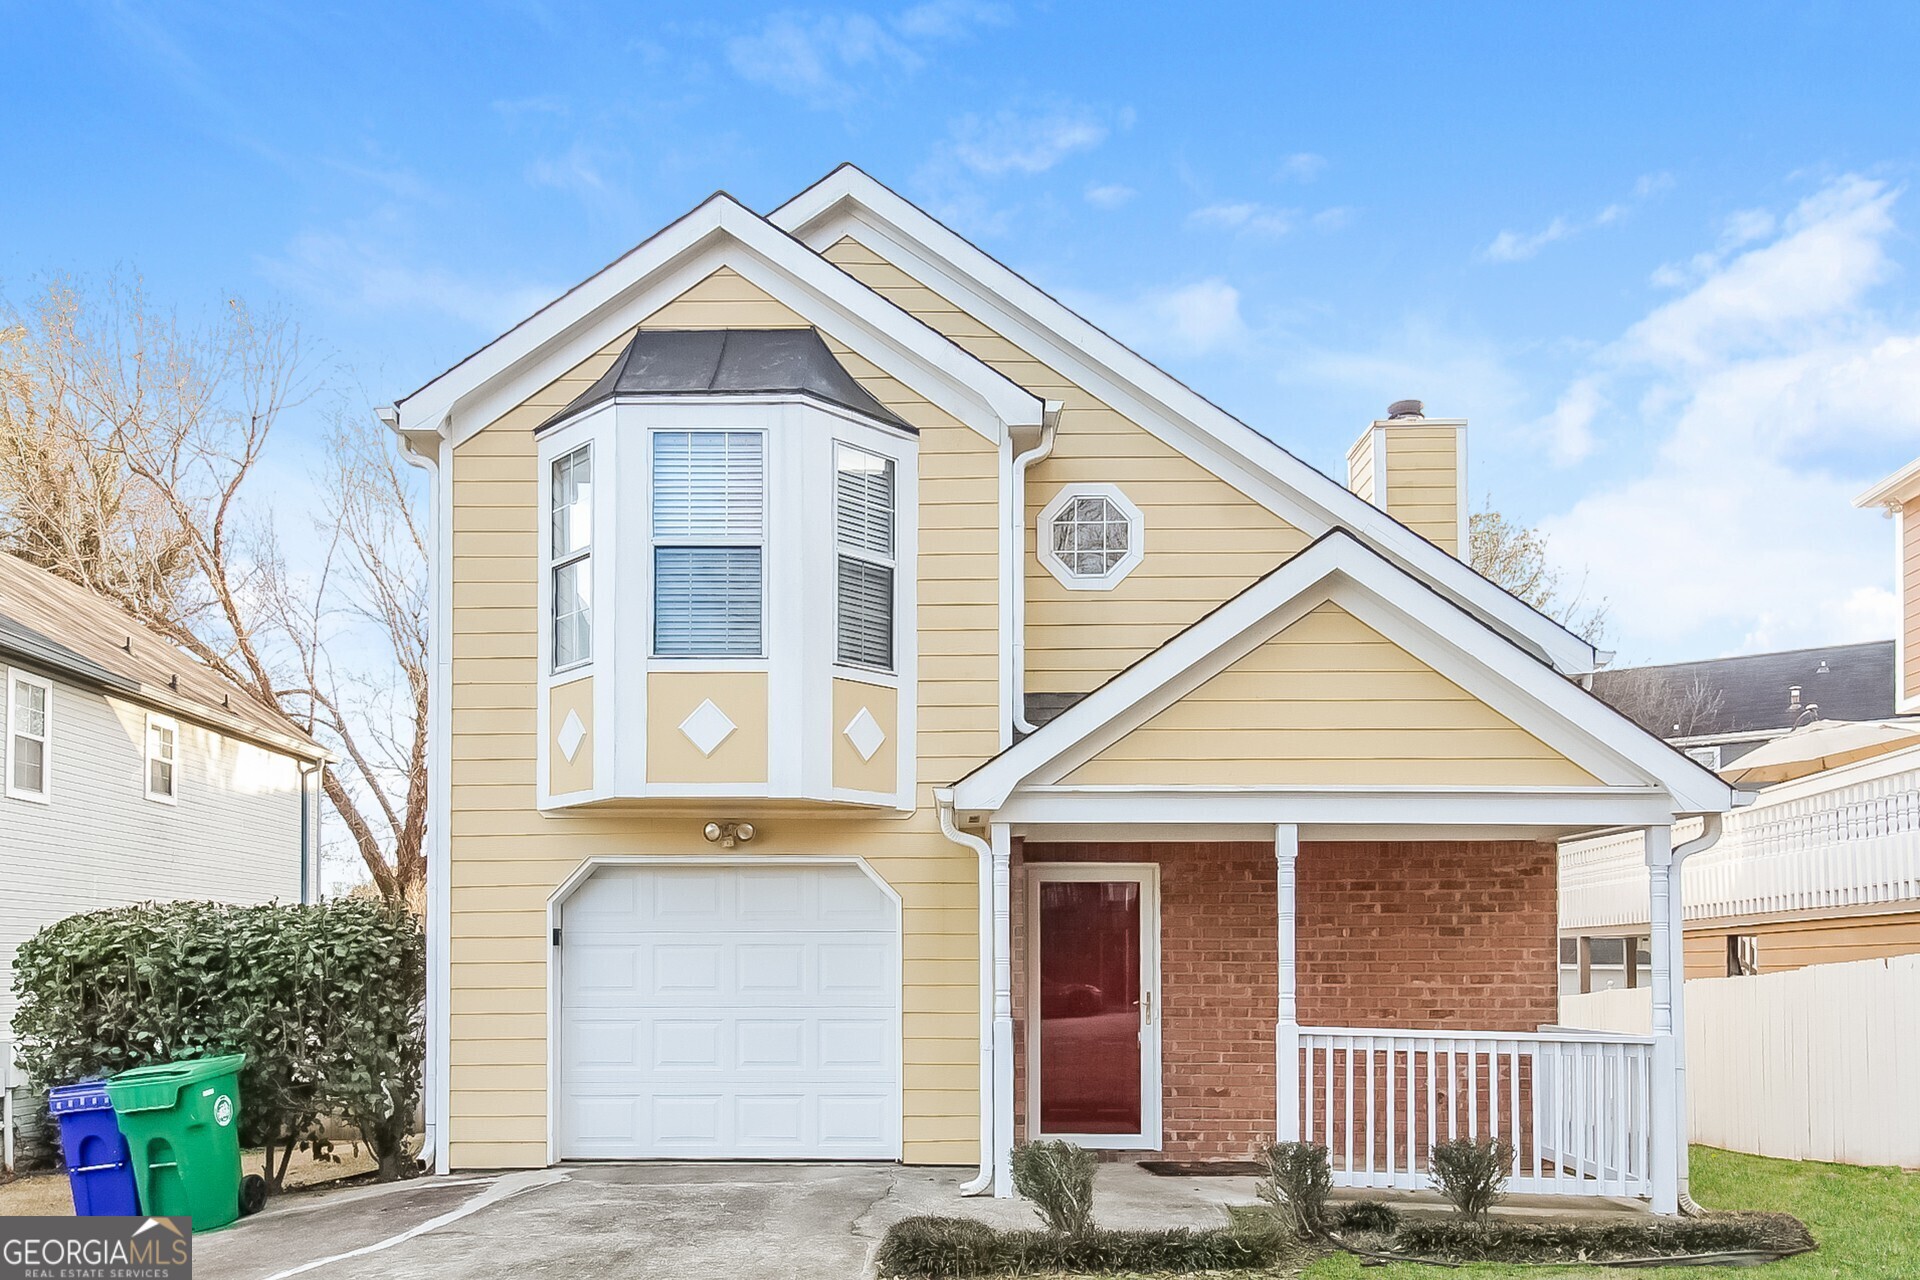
(672, 1221)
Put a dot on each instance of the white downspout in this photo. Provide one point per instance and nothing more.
(1049, 427)
(943, 802)
(1711, 825)
(434, 1075)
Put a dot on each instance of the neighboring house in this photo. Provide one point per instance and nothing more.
(759, 555)
(1822, 868)
(1719, 709)
(133, 774)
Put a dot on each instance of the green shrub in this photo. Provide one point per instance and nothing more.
(1299, 1177)
(1369, 1215)
(962, 1247)
(1471, 1175)
(1058, 1178)
(1501, 1241)
(325, 1001)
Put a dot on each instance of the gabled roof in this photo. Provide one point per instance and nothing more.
(720, 232)
(1338, 566)
(59, 629)
(848, 200)
(729, 362)
(1902, 487)
(1753, 692)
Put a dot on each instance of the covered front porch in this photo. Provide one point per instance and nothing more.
(1193, 999)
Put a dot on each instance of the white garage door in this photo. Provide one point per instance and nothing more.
(728, 1011)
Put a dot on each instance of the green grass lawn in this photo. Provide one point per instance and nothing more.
(1866, 1220)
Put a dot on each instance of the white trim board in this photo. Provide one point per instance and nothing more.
(849, 202)
(1339, 568)
(719, 233)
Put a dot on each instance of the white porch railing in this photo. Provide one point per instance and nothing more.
(1575, 1105)
(1849, 837)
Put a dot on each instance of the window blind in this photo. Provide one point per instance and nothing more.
(863, 520)
(709, 523)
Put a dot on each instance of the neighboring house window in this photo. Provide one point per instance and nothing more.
(709, 543)
(163, 749)
(1090, 537)
(1708, 756)
(573, 558)
(1743, 955)
(29, 736)
(864, 554)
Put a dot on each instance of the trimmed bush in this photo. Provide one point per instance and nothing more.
(1471, 1175)
(1058, 1178)
(1369, 1215)
(325, 1001)
(932, 1246)
(1500, 1241)
(1299, 1178)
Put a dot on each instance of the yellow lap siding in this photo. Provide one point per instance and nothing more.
(506, 859)
(1329, 701)
(1205, 540)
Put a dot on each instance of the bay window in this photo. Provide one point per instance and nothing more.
(863, 523)
(709, 543)
(572, 558)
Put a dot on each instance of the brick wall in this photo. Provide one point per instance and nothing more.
(1428, 935)
(1406, 934)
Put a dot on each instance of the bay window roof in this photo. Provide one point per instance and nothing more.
(742, 362)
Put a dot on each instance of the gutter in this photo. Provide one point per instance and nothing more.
(1049, 428)
(422, 449)
(1710, 829)
(982, 1183)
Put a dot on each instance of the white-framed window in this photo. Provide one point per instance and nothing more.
(1090, 537)
(29, 737)
(1707, 756)
(864, 557)
(709, 544)
(571, 567)
(163, 757)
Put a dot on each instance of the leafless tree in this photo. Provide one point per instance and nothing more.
(139, 457)
(1667, 708)
(1515, 556)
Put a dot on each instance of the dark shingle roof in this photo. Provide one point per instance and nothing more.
(61, 629)
(743, 362)
(1753, 692)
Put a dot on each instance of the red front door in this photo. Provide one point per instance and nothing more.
(1093, 932)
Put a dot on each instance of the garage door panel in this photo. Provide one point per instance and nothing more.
(775, 1032)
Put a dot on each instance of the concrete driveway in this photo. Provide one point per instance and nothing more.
(637, 1222)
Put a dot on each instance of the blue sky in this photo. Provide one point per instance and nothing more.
(1662, 257)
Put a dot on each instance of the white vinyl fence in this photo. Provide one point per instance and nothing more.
(1821, 1063)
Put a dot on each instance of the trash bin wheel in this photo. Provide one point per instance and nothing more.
(253, 1194)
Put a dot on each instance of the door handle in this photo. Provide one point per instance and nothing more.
(1146, 1007)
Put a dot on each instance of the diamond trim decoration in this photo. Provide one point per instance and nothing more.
(707, 727)
(865, 733)
(572, 734)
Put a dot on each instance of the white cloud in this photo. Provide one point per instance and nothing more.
(1518, 246)
(1333, 219)
(1776, 392)
(1191, 319)
(1569, 428)
(1109, 195)
(1012, 141)
(1245, 217)
(1302, 166)
(356, 275)
(829, 59)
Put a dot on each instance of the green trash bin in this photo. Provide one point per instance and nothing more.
(182, 1124)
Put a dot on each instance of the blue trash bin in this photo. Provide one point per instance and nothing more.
(99, 1166)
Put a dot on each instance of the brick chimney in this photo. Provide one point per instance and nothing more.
(1414, 468)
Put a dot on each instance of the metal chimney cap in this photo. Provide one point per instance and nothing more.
(1406, 409)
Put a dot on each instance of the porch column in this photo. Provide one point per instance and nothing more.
(1286, 1032)
(1667, 1139)
(1002, 841)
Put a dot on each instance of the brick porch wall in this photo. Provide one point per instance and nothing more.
(1403, 934)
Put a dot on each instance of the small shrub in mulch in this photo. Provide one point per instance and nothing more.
(1299, 1179)
(1457, 1240)
(1058, 1178)
(1471, 1175)
(1370, 1216)
(940, 1247)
